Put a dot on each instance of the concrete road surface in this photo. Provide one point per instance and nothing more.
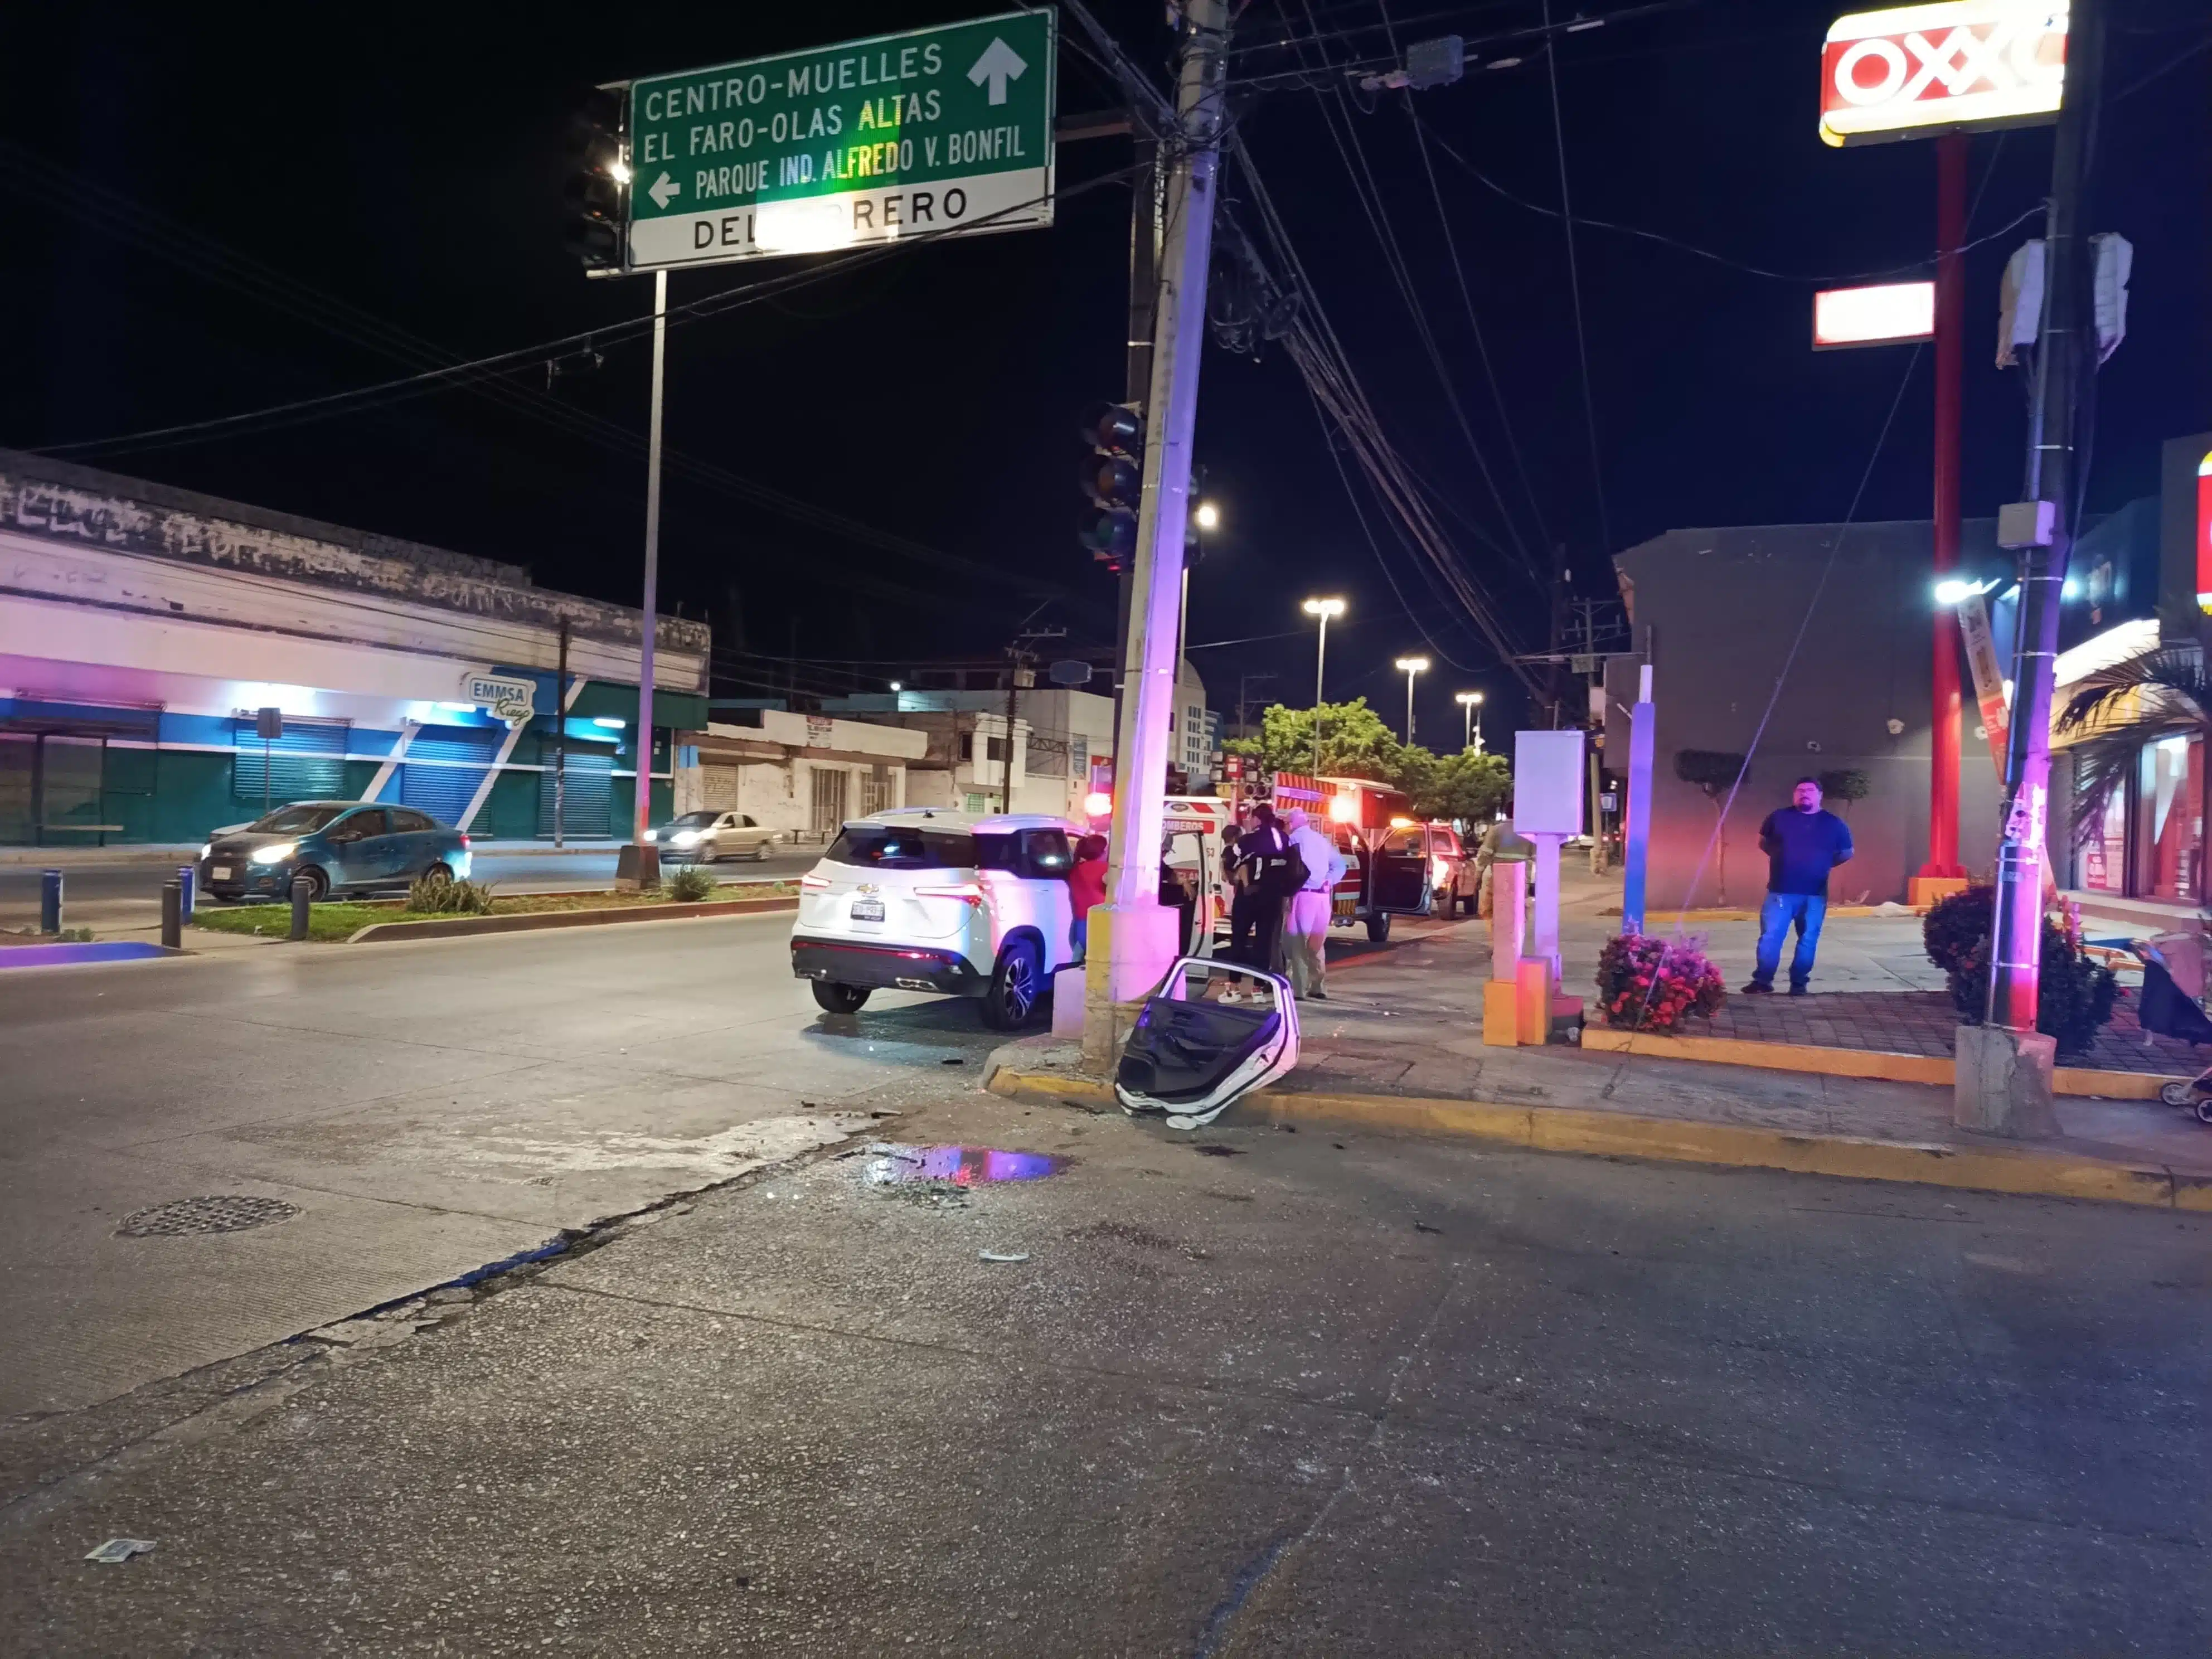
(429, 1107)
(110, 896)
(1248, 1393)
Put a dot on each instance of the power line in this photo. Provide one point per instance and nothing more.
(467, 373)
(1575, 289)
(1467, 299)
(1378, 219)
(1810, 280)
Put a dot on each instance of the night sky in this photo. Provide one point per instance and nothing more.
(403, 171)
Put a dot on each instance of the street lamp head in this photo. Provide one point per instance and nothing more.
(1208, 516)
(1324, 607)
(1471, 699)
(1412, 664)
(898, 685)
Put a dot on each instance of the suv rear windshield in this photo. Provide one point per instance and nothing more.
(897, 846)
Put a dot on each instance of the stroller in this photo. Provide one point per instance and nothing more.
(2174, 983)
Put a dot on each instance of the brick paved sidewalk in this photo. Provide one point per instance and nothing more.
(1925, 1023)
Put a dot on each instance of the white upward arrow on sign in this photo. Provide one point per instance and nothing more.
(664, 187)
(998, 65)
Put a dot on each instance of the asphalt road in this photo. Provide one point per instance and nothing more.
(122, 895)
(431, 1106)
(1302, 1394)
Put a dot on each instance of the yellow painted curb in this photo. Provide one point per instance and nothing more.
(1057, 1085)
(1877, 1063)
(1621, 1134)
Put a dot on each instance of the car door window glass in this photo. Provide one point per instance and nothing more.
(1406, 842)
(1045, 853)
(408, 822)
(359, 826)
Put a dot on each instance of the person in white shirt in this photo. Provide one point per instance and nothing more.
(1305, 929)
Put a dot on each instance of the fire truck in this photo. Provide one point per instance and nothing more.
(1394, 865)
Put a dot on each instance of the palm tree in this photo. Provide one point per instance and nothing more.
(2115, 711)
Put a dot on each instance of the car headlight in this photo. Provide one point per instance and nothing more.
(276, 853)
(652, 834)
(684, 838)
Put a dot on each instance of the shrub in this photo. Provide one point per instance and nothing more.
(449, 898)
(1845, 784)
(691, 884)
(1647, 984)
(2075, 995)
(1954, 926)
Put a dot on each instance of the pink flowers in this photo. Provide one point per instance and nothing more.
(1647, 984)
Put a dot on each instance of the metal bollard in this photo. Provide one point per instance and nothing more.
(50, 901)
(303, 893)
(188, 879)
(173, 916)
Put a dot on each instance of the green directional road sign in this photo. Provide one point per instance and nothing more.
(938, 131)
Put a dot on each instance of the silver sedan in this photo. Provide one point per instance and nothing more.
(710, 837)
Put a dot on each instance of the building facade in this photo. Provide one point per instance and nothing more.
(1808, 647)
(802, 774)
(143, 630)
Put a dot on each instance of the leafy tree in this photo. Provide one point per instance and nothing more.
(1716, 775)
(1468, 786)
(1354, 742)
(1846, 785)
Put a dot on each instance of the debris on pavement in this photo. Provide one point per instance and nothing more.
(1002, 1256)
(1213, 1149)
(121, 1549)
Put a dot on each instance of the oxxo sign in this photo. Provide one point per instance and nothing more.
(940, 131)
(504, 697)
(1959, 66)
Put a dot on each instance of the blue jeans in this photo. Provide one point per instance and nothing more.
(1807, 911)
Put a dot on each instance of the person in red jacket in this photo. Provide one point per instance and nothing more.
(1086, 886)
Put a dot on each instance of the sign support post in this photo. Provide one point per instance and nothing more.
(638, 865)
(1141, 936)
(1942, 874)
(1636, 853)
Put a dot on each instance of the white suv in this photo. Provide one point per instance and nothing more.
(923, 899)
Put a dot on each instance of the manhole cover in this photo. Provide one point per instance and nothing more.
(230, 1214)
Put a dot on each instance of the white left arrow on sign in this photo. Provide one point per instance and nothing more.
(664, 188)
(998, 65)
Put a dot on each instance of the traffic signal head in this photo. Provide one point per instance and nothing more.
(1113, 477)
(597, 182)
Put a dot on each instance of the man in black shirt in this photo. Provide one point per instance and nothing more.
(1801, 843)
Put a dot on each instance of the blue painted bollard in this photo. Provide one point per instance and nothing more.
(50, 901)
(187, 878)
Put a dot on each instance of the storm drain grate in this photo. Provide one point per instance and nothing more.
(232, 1214)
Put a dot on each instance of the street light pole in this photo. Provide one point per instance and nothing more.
(1410, 666)
(1323, 609)
(1468, 702)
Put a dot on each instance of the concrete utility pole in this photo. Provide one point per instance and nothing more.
(2004, 1067)
(1140, 935)
(1137, 377)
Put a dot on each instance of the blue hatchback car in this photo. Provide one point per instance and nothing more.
(336, 845)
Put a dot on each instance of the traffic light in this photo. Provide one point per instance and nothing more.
(1113, 477)
(599, 180)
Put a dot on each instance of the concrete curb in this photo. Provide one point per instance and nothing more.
(1616, 1134)
(386, 933)
(1891, 1067)
(1733, 913)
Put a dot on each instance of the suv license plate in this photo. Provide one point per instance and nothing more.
(867, 910)
(219, 872)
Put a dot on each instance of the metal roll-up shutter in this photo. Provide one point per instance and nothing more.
(588, 806)
(444, 791)
(306, 763)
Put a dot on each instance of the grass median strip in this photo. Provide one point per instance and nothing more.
(336, 921)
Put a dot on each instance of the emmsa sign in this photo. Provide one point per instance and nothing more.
(940, 131)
